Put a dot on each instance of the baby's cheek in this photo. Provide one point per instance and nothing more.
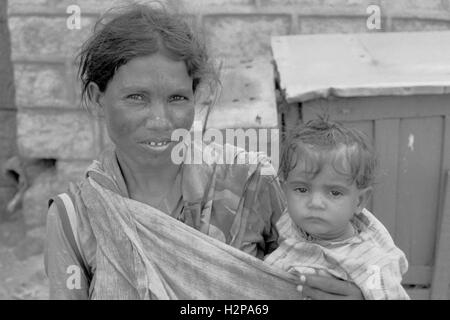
(294, 203)
(295, 210)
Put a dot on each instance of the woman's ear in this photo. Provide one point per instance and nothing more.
(363, 197)
(95, 97)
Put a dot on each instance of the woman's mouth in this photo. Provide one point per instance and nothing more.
(157, 146)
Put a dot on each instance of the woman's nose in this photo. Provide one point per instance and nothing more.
(157, 116)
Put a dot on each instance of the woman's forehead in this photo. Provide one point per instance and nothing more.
(155, 68)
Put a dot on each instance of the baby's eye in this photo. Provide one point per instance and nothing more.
(135, 97)
(336, 193)
(177, 98)
(301, 190)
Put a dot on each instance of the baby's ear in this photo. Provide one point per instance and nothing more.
(95, 97)
(363, 197)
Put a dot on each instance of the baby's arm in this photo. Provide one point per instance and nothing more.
(383, 283)
(377, 264)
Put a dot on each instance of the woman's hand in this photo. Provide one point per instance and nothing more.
(318, 287)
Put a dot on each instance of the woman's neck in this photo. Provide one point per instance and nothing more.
(149, 181)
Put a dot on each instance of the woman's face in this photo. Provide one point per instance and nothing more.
(144, 102)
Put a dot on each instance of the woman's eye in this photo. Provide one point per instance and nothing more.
(136, 97)
(301, 190)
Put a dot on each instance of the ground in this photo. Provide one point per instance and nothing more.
(22, 275)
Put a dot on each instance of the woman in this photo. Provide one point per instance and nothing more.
(115, 234)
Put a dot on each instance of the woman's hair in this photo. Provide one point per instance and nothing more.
(320, 142)
(137, 31)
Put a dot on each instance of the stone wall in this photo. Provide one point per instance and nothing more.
(50, 122)
(7, 110)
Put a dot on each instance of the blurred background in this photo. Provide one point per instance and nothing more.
(46, 139)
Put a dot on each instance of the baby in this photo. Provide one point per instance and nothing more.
(327, 173)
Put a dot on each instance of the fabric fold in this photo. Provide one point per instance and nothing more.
(175, 261)
(145, 253)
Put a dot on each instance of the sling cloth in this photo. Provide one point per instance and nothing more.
(144, 253)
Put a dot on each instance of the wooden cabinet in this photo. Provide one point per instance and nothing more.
(396, 88)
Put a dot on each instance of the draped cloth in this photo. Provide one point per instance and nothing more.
(144, 253)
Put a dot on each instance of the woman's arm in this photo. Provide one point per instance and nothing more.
(317, 287)
(66, 276)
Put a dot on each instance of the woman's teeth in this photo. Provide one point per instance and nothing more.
(157, 144)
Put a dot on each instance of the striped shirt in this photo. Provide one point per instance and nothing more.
(370, 259)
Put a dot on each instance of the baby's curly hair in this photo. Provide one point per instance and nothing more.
(320, 142)
(138, 30)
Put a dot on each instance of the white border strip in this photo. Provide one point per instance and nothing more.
(72, 218)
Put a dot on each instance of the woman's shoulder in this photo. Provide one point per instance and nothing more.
(69, 214)
(70, 199)
(230, 164)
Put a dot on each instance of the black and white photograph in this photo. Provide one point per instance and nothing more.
(225, 150)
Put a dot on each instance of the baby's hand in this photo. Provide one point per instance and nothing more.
(324, 273)
(303, 270)
(315, 287)
(309, 270)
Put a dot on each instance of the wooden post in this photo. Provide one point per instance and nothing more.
(441, 274)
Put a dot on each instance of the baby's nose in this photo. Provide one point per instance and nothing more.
(316, 200)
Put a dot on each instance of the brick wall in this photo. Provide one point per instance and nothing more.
(50, 123)
(7, 109)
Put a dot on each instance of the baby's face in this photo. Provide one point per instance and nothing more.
(324, 205)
